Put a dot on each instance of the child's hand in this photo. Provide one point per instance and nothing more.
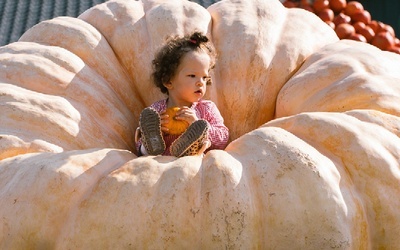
(164, 120)
(186, 114)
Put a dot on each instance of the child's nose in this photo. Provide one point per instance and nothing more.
(201, 81)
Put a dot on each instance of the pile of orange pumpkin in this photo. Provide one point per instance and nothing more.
(351, 21)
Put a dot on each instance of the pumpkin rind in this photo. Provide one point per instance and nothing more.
(262, 43)
(321, 171)
(338, 71)
(242, 202)
(367, 157)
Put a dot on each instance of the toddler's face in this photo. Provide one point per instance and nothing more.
(188, 85)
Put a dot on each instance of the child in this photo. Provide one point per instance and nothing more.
(181, 70)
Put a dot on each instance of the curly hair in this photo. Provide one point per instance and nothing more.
(168, 58)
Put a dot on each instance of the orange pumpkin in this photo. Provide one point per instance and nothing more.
(176, 127)
(314, 161)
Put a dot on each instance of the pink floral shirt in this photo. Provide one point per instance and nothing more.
(218, 133)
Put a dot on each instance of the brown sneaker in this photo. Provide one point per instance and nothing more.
(191, 141)
(150, 128)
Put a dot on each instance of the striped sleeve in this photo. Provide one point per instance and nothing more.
(218, 133)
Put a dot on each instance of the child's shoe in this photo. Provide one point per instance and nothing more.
(150, 128)
(191, 141)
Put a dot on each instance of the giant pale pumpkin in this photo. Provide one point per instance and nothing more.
(313, 161)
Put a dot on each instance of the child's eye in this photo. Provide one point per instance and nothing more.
(192, 76)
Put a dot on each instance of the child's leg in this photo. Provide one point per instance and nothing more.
(151, 135)
(191, 141)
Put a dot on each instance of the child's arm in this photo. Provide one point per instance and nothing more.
(218, 133)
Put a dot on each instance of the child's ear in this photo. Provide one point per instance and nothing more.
(168, 85)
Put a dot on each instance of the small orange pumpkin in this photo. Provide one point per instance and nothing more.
(176, 127)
